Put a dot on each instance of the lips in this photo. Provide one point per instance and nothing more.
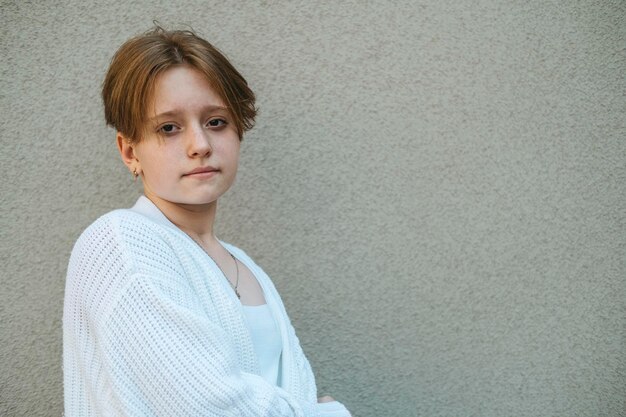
(202, 170)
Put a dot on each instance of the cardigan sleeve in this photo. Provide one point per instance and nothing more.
(135, 346)
(164, 359)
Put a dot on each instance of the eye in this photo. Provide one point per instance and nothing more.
(168, 128)
(217, 122)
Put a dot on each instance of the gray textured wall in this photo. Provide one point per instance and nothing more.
(436, 187)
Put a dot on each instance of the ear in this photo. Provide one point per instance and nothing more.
(127, 152)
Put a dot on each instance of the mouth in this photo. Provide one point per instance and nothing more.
(202, 172)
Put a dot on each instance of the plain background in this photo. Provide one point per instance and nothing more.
(436, 187)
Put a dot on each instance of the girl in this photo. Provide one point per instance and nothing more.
(160, 317)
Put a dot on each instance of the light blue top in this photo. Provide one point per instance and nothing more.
(268, 348)
(266, 341)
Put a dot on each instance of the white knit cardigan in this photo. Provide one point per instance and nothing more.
(152, 328)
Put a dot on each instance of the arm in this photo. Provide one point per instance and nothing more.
(168, 358)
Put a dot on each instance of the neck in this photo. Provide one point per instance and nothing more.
(194, 219)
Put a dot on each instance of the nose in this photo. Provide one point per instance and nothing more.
(198, 142)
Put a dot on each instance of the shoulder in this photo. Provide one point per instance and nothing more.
(113, 253)
(122, 230)
(112, 221)
(97, 269)
(117, 245)
(108, 235)
(98, 238)
(101, 245)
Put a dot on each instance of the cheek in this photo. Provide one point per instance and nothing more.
(230, 154)
(234, 162)
(155, 164)
(235, 152)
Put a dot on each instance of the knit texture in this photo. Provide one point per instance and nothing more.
(151, 328)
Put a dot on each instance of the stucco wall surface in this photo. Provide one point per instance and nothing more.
(436, 187)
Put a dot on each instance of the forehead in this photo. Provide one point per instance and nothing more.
(182, 88)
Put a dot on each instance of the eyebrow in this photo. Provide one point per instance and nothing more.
(176, 112)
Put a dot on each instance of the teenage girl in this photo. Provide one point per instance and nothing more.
(161, 318)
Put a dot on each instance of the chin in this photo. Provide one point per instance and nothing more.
(201, 200)
(197, 201)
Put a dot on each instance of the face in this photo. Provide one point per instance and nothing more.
(189, 152)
